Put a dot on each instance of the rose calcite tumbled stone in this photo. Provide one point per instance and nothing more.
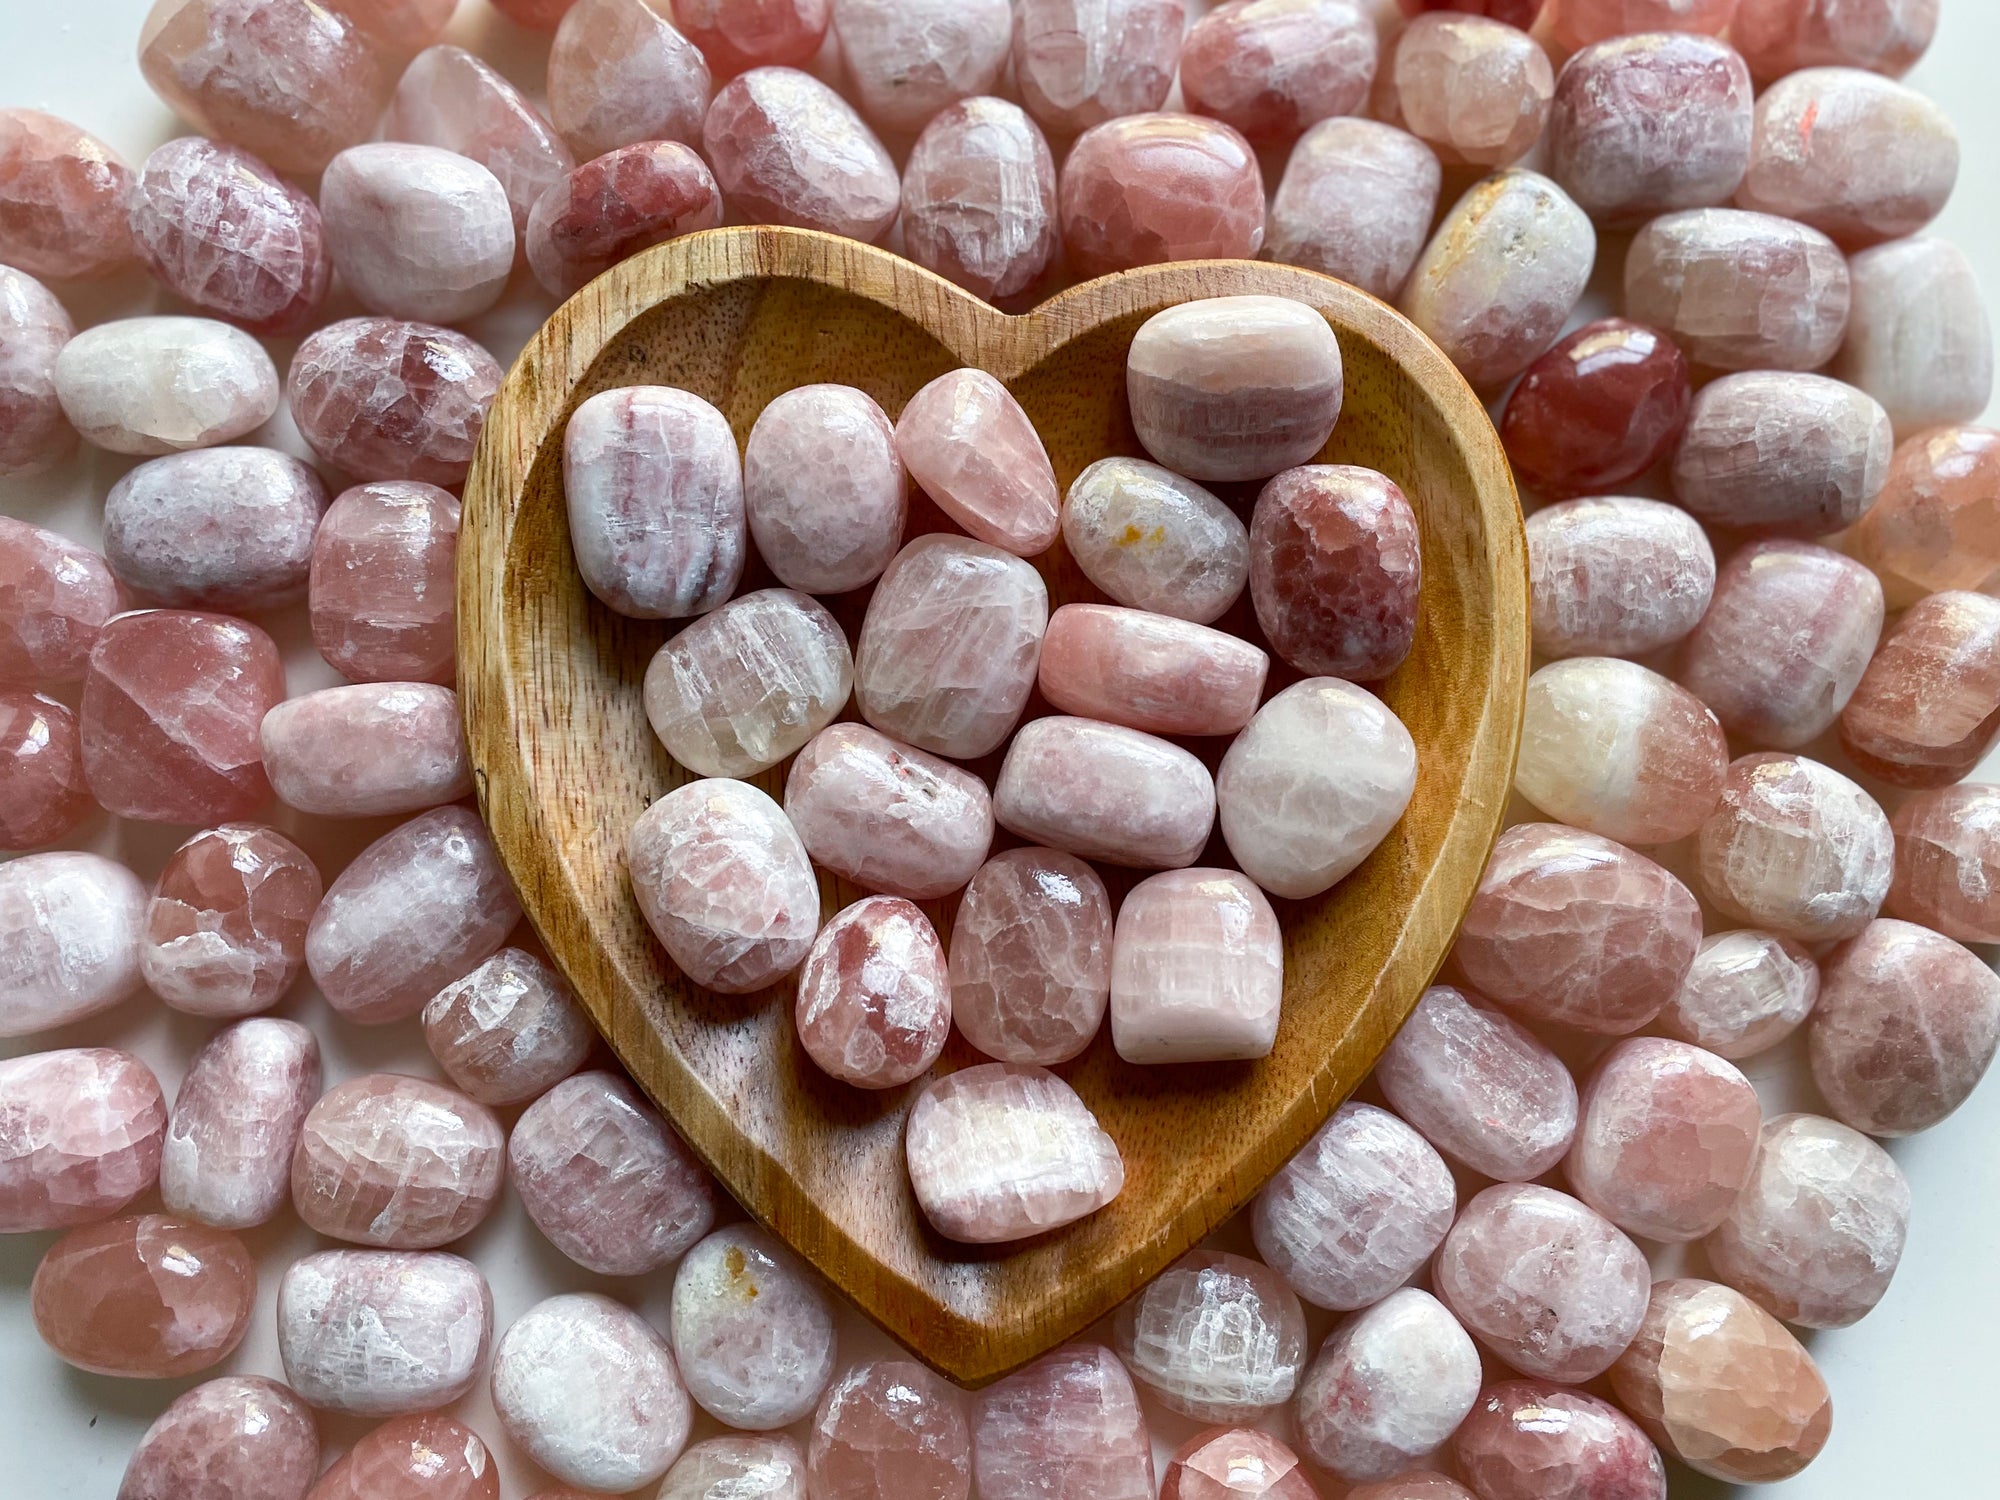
(1935, 526)
(1079, 63)
(889, 1429)
(225, 931)
(1474, 90)
(1140, 190)
(735, 1466)
(1618, 576)
(753, 1331)
(62, 198)
(1919, 339)
(1154, 540)
(1030, 959)
(1928, 708)
(417, 231)
(55, 596)
(43, 793)
(1068, 1427)
(979, 198)
(80, 1136)
(1215, 1337)
(380, 588)
(614, 206)
(237, 1438)
(1240, 1463)
(413, 1458)
(908, 59)
(1197, 969)
(967, 442)
(1272, 67)
(1947, 874)
(1003, 1151)
(1527, 1440)
(1778, 37)
(824, 491)
(379, 1333)
(34, 326)
(1148, 671)
(451, 100)
(1602, 407)
(383, 399)
(236, 1121)
(1579, 23)
(367, 749)
(509, 1031)
(874, 1000)
(1356, 201)
(887, 817)
(789, 150)
(69, 938)
(1418, 1484)
(1746, 992)
(736, 35)
(1387, 1387)
(144, 1297)
(164, 384)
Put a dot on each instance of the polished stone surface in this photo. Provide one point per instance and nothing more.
(379, 399)
(237, 1116)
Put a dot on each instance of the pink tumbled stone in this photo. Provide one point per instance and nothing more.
(236, 1122)
(367, 749)
(788, 150)
(908, 59)
(1155, 541)
(379, 1333)
(735, 1466)
(415, 910)
(1481, 1087)
(1106, 793)
(1356, 201)
(508, 1031)
(226, 927)
(1795, 848)
(1928, 707)
(1571, 929)
(1919, 339)
(413, 1458)
(948, 648)
(1389, 1386)
(654, 487)
(1476, 91)
(736, 35)
(69, 938)
(1142, 189)
(753, 1331)
(170, 713)
(536, 15)
(43, 793)
(1079, 63)
(1544, 1282)
(237, 1438)
(1417, 1484)
(887, 817)
(1241, 1463)
(1746, 992)
(979, 197)
(1173, 1340)
(1818, 1230)
(1069, 1427)
(402, 24)
(614, 206)
(292, 80)
(726, 885)
(1906, 1026)
(222, 231)
(381, 583)
(382, 399)
(34, 326)
(1936, 524)
(450, 99)
(220, 528)
(1001, 1151)
(1529, 1441)
(1616, 576)
(1778, 37)
(1273, 67)
(874, 1002)
(606, 1179)
(1031, 957)
(890, 1430)
(1948, 862)
(145, 1297)
(55, 597)
(80, 1134)
(1197, 969)
(967, 442)
(417, 231)
(823, 488)
(1784, 643)
(1579, 23)
(62, 198)
(1148, 671)
(155, 385)
(1356, 1212)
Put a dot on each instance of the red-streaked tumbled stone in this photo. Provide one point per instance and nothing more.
(1616, 576)
(80, 1136)
(1598, 410)
(887, 1428)
(1272, 67)
(1066, 1428)
(509, 1031)
(1031, 957)
(1936, 524)
(1746, 992)
(753, 1329)
(824, 491)
(1197, 969)
(1387, 1387)
(1919, 339)
(1079, 63)
(887, 817)
(874, 1001)
(382, 399)
(1527, 1440)
(1780, 453)
(736, 35)
(379, 1333)
(367, 750)
(62, 198)
(1356, 201)
(236, 1121)
(450, 99)
(226, 927)
(69, 938)
(615, 205)
(55, 597)
(237, 1438)
(414, 1458)
(1778, 37)
(1335, 567)
(381, 585)
(979, 197)
(788, 150)
(1106, 793)
(1148, 671)
(1475, 90)
(1948, 862)
(1235, 1463)
(1579, 23)
(1928, 707)
(43, 794)
(1143, 189)
(34, 326)
(968, 443)
(144, 1297)
(1154, 540)
(1167, 1335)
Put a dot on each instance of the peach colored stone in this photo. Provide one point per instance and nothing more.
(908, 59)
(236, 1438)
(1228, 1463)
(536, 15)
(225, 931)
(55, 596)
(1746, 992)
(450, 99)
(405, 24)
(1416, 1484)
(887, 817)
(619, 74)
(788, 150)
(226, 529)
(80, 1135)
(1928, 707)
(736, 35)
(1215, 1337)
(1142, 189)
(509, 1031)
(1356, 201)
(1936, 523)
(69, 938)
(1272, 67)
(614, 206)
(368, 749)
(1616, 576)
(1106, 793)
(1740, 291)
(874, 1002)
(890, 1428)
(1778, 37)
(761, 1467)
(34, 326)
(824, 491)
(1578, 23)
(968, 443)
(382, 581)
(382, 399)
(1155, 541)
(413, 1458)
(236, 1123)
(1387, 1387)
(1527, 1440)
(1472, 89)
(417, 231)
(1030, 961)
(164, 384)
(979, 197)
(379, 1333)
(1335, 567)
(1197, 969)
(144, 1297)
(1919, 340)
(1079, 63)
(1148, 671)
(1068, 1427)
(62, 198)
(753, 1330)
(1948, 862)
(43, 793)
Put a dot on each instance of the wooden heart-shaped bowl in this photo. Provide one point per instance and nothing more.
(564, 760)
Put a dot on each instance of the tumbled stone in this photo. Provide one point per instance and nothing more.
(1784, 643)
(1155, 541)
(1602, 407)
(236, 1438)
(725, 883)
(1068, 1427)
(1795, 848)
(170, 714)
(1746, 992)
(413, 1458)
(979, 194)
(788, 150)
(1500, 277)
(1529, 1441)
(606, 1179)
(735, 1466)
(1722, 1386)
(62, 198)
(1030, 961)
(1740, 291)
(1544, 1282)
(1906, 1026)
(1139, 190)
(1928, 707)
(1778, 37)
(80, 1134)
(1476, 91)
(1936, 523)
(1482, 1088)
(1215, 1337)
(415, 910)
(34, 433)
(225, 931)
(736, 35)
(1420, 1484)
(908, 59)
(417, 231)
(1335, 565)
(1106, 793)
(587, 1389)
(236, 1122)
(1197, 970)
(1852, 154)
(382, 399)
(144, 1297)
(1356, 1212)
(752, 1330)
(43, 793)
(1273, 67)
(948, 648)
(1948, 862)
(55, 596)
(1572, 929)
(1919, 340)
(890, 1428)
(614, 206)
(292, 80)
(1002, 1151)
(967, 442)
(221, 528)
(1079, 63)
(404, 24)
(378, 1333)
(887, 817)
(164, 384)
(69, 938)
(536, 15)
(1389, 1386)
(381, 583)
(874, 1001)
(1356, 201)
(1148, 671)
(450, 99)
(1775, 453)
(509, 1031)
(1616, 576)
(824, 491)
(1243, 1463)
(1579, 23)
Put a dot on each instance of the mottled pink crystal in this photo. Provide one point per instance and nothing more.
(890, 1430)
(1936, 523)
(1142, 189)
(1106, 793)
(614, 206)
(1420, 1484)
(509, 1031)
(1079, 63)
(1475, 90)
(226, 927)
(382, 399)
(874, 1002)
(908, 59)
(1148, 671)
(450, 99)
(367, 749)
(736, 35)
(69, 938)
(236, 1123)
(237, 1438)
(823, 488)
(1272, 67)
(1069, 1427)
(1240, 1463)
(753, 1330)
(1031, 957)
(968, 443)
(381, 583)
(1778, 37)
(80, 1134)
(979, 197)
(788, 150)
(144, 1297)
(62, 198)
(403, 24)
(1616, 576)
(886, 816)
(1216, 1337)
(1746, 992)
(1948, 862)
(34, 326)
(1579, 23)
(1928, 708)
(55, 596)
(1529, 1441)
(1389, 1386)
(43, 793)
(414, 1458)
(1356, 201)
(1154, 540)
(766, 1467)
(383, 1332)
(1197, 969)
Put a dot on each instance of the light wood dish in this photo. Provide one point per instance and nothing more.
(564, 760)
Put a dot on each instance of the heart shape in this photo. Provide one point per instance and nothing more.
(564, 760)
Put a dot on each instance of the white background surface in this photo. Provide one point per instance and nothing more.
(1915, 1387)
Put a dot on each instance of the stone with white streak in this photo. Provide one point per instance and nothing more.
(1389, 1386)
(1069, 1427)
(752, 1329)
(69, 939)
(379, 1333)
(236, 1120)
(164, 384)
(979, 198)
(1215, 1337)
(417, 231)
(1197, 969)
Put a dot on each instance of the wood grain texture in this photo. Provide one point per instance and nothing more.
(564, 760)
